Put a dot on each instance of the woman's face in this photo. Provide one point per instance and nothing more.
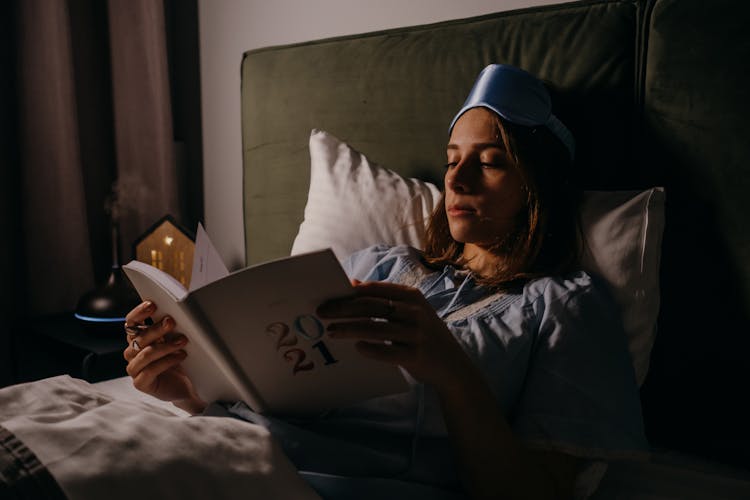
(483, 188)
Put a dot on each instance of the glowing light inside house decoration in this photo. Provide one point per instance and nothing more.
(167, 247)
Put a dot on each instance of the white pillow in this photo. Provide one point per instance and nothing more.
(354, 203)
(623, 231)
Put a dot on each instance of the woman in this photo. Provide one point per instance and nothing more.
(520, 368)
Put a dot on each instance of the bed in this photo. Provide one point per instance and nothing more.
(656, 95)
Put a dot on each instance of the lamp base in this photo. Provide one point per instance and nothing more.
(103, 309)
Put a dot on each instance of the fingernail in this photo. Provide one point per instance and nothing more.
(148, 306)
(181, 353)
(167, 322)
(179, 341)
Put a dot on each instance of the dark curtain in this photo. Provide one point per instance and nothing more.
(11, 286)
(88, 99)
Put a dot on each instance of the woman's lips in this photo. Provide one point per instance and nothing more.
(460, 211)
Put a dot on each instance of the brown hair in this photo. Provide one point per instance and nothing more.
(546, 238)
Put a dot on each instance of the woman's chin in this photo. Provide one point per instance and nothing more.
(463, 236)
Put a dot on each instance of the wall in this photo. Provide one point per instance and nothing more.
(228, 28)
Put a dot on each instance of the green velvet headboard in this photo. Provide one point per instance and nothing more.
(392, 95)
(656, 93)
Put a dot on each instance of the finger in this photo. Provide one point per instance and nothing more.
(130, 351)
(375, 290)
(155, 333)
(370, 330)
(138, 360)
(145, 379)
(396, 354)
(376, 307)
(149, 354)
(139, 313)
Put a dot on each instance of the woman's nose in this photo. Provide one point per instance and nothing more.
(458, 178)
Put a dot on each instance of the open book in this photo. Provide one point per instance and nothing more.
(254, 335)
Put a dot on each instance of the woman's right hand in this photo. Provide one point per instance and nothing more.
(154, 355)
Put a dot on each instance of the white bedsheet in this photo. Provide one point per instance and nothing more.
(120, 446)
(122, 389)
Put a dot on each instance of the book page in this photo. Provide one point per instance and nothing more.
(207, 263)
(265, 315)
(175, 289)
(206, 363)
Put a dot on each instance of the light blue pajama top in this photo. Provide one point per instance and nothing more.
(554, 354)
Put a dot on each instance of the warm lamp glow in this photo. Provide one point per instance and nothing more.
(168, 248)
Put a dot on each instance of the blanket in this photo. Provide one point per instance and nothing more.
(61, 438)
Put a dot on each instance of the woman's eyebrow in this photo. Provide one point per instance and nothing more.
(481, 145)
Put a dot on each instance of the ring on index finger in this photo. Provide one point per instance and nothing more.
(136, 347)
(134, 330)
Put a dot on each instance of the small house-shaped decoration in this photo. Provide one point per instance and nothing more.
(167, 246)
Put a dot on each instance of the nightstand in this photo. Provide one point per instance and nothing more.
(58, 344)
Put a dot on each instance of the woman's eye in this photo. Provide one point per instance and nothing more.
(491, 165)
(450, 164)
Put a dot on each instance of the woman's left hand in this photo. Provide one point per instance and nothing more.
(412, 335)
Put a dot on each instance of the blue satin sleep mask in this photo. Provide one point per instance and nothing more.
(518, 97)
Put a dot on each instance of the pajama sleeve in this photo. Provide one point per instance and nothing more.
(580, 395)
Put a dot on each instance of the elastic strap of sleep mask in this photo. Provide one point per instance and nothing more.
(517, 96)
